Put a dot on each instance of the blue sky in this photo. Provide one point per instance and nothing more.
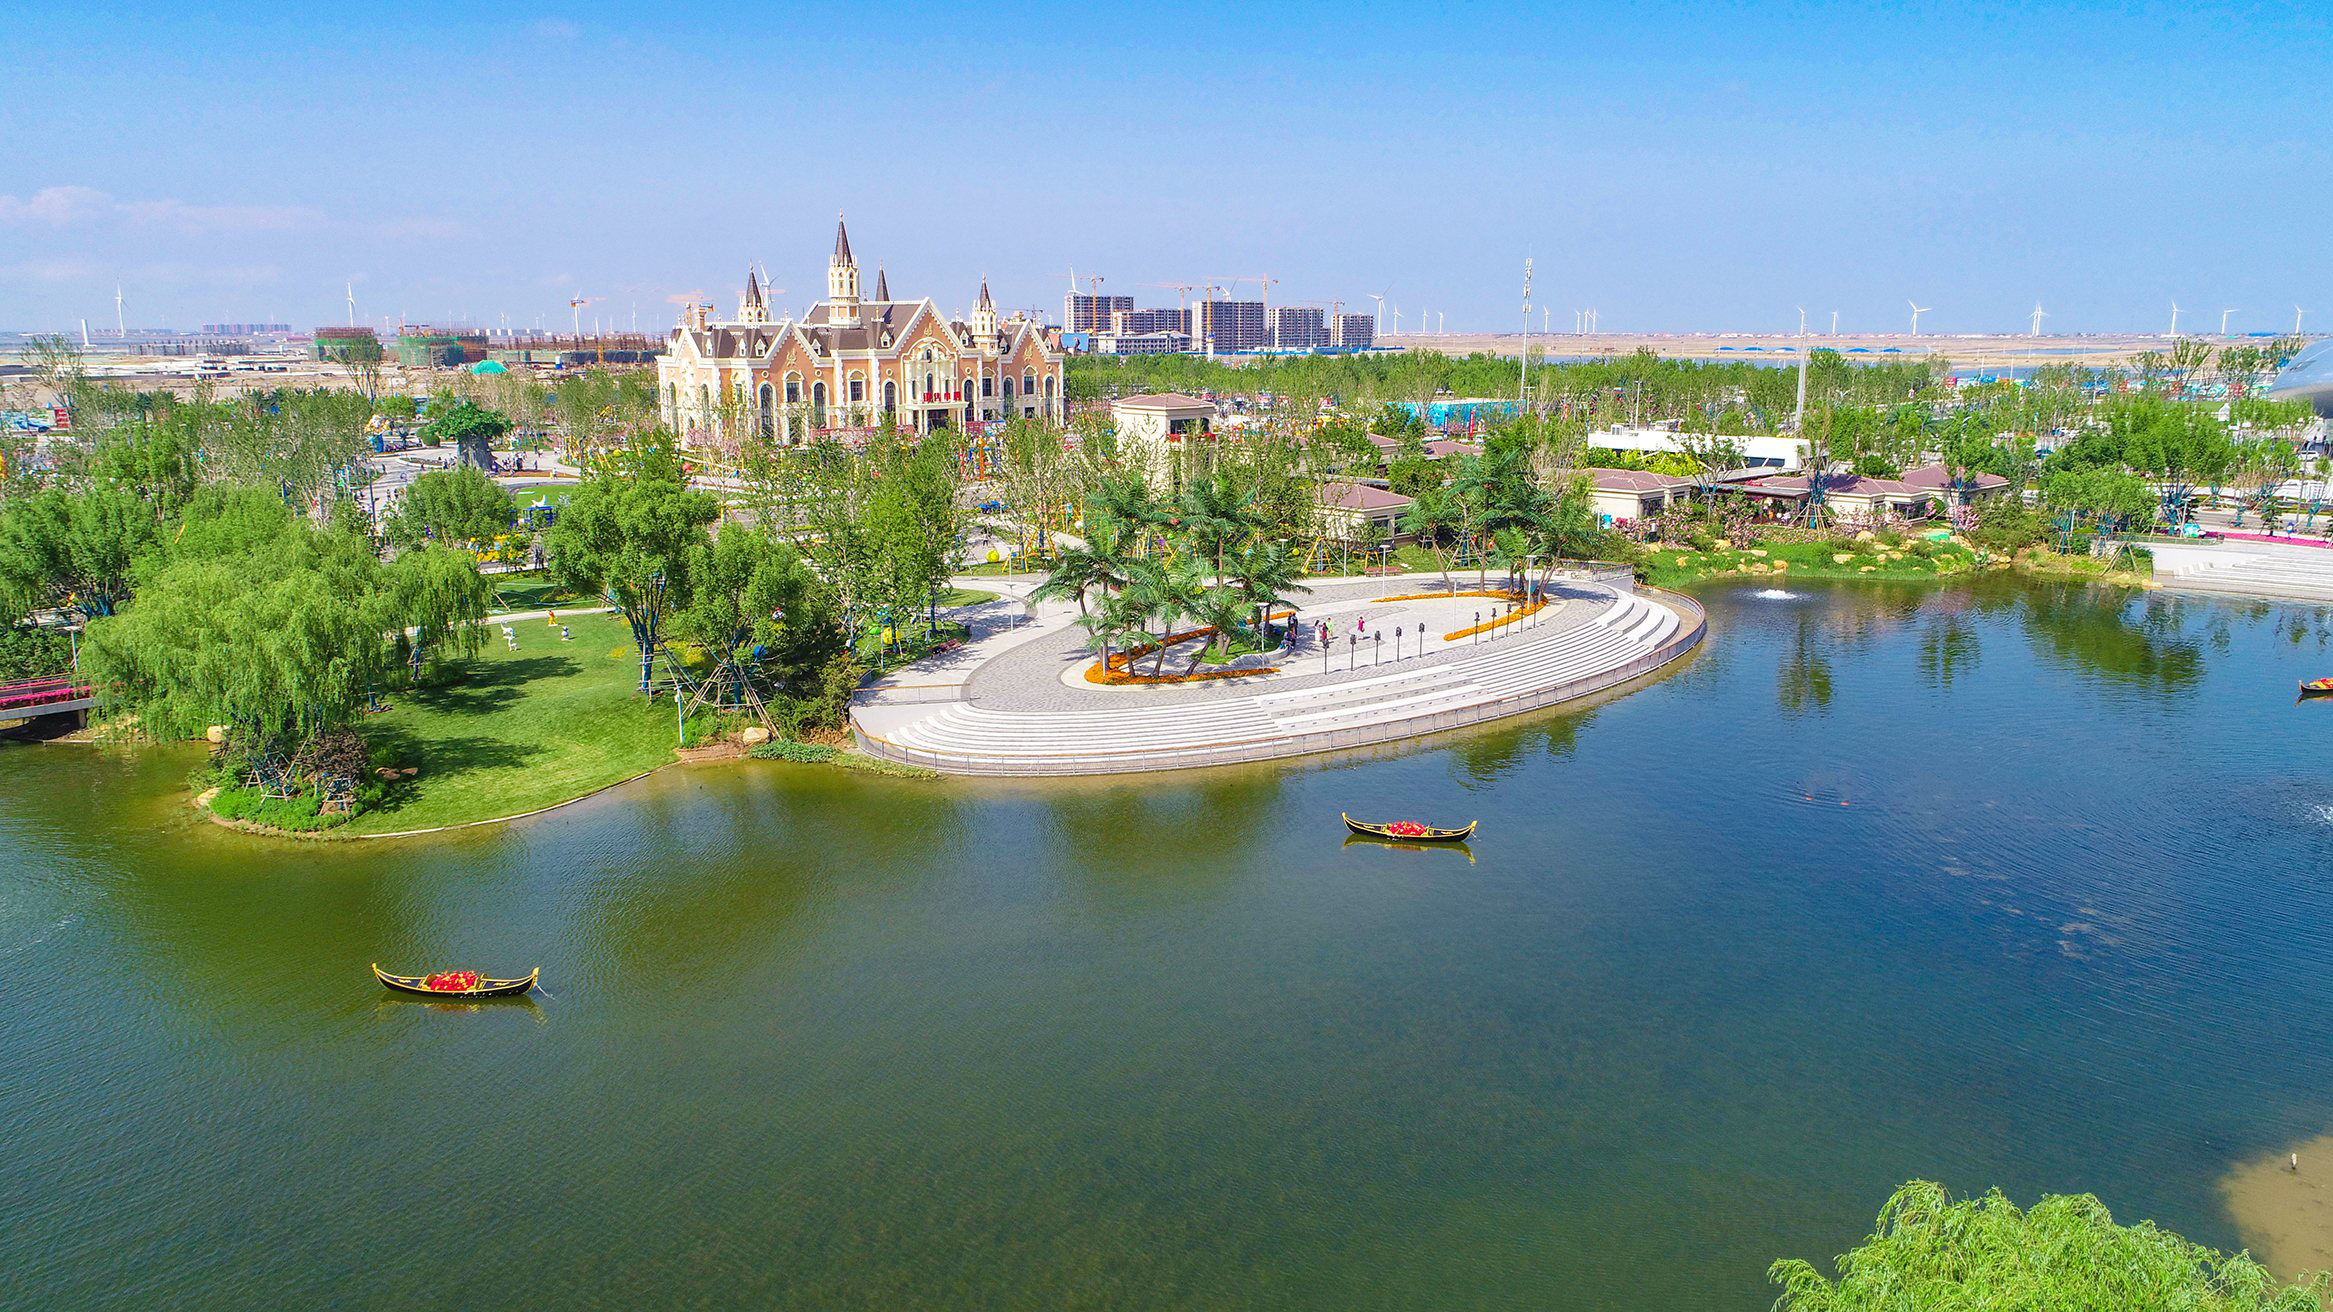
(1691, 166)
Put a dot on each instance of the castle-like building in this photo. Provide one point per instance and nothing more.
(850, 361)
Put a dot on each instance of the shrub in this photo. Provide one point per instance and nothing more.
(2004, 526)
(27, 652)
(786, 749)
(301, 814)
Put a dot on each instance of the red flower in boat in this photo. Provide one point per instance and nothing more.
(453, 981)
(1406, 828)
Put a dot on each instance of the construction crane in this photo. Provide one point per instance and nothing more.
(1182, 291)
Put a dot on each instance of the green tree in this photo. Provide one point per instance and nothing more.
(283, 640)
(629, 533)
(73, 550)
(755, 606)
(2065, 1254)
(457, 506)
(463, 424)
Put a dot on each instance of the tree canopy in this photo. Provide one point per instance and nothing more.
(2065, 1254)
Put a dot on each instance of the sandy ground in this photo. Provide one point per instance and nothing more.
(2286, 1216)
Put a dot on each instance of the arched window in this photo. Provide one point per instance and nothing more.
(858, 388)
(769, 412)
(704, 404)
(1028, 382)
(818, 404)
(1008, 390)
(793, 389)
(890, 396)
(987, 385)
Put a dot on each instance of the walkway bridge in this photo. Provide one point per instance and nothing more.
(30, 697)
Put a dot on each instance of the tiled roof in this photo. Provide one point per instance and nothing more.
(1360, 496)
(1163, 401)
(1633, 480)
(842, 241)
(1936, 478)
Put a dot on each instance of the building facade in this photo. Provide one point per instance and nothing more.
(849, 362)
(1297, 327)
(1353, 332)
(1082, 313)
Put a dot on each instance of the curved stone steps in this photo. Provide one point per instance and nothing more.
(970, 739)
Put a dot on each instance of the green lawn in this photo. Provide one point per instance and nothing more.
(509, 732)
(954, 597)
(532, 590)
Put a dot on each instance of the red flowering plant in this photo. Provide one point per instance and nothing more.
(1406, 829)
(452, 981)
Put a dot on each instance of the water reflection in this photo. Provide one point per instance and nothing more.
(2129, 639)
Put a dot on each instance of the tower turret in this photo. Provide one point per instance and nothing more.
(842, 279)
(984, 319)
(751, 308)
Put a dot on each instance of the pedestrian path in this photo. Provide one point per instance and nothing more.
(1619, 635)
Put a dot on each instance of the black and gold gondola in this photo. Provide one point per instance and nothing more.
(1424, 834)
(2316, 688)
(485, 987)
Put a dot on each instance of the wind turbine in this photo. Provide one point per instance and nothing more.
(1917, 310)
(2296, 321)
(120, 326)
(1380, 299)
(1834, 323)
(2039, 314)
(352, 304)
(2174, 318)
(575, 308)
(1802, 321)
(2224, 321)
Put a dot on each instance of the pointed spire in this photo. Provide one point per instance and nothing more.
(752, 287)
(842, 241)
(984, 301)
(882, 285)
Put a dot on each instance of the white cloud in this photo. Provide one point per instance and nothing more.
(59, 206)
(54, 205)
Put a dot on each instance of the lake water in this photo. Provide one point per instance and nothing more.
(2004, 884)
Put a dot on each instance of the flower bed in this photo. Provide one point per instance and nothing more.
(1516, 616)
(1120, 678)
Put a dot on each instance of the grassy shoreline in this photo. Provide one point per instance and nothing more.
(1844, 559)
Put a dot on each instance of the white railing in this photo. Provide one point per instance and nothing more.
(1688, 635)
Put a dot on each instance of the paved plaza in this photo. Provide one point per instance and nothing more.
(1015, 699)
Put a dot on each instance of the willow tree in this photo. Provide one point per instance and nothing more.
(70, 550)
(2065, 1254)
(284, 640)
(629, 532)
(454, 506)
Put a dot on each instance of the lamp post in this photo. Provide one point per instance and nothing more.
(1478, 628)
(1379, 658)
(1351, 651)
(1397, 642)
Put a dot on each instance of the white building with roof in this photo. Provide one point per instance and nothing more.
(850, 361)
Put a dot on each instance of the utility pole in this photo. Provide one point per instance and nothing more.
(1523, 389)
(1798, 421)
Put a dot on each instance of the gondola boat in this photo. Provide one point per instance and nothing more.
(482, 987)
(2317, 687)
(1409, 831)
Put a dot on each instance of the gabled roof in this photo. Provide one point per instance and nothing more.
(1346, 495)
(1633, 480)
(1938, 478)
